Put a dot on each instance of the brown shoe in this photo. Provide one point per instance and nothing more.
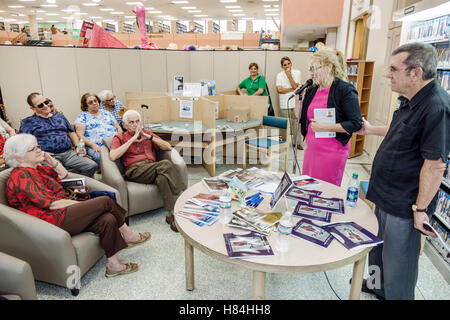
(299, 147)
(171, 221)
(144, 237)
(130, 268)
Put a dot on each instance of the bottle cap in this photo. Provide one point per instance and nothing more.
(355, 176)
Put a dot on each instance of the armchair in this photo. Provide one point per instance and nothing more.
(17, 281)
(137, 197)
(48, 249)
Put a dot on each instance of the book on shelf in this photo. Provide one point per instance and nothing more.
(352, 236)
(441, 235)
(299, 194)
(259, 220)
(304, 210)
(309, 231)
(247, 245)
(215, 184)
(443, 206)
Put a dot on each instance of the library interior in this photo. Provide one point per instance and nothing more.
(264, 149)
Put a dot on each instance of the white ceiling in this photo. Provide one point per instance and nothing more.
(212, 8)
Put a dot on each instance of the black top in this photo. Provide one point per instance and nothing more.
(420, 129)
(344, 98)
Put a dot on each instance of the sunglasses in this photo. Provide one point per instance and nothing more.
(45, 103)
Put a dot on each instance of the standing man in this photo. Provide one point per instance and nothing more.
(407, 170)
(287, 81)
(135, 148)
(55, 135)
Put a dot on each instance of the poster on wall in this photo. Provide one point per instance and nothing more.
(85, 34)
(186, 109)
(178, 85)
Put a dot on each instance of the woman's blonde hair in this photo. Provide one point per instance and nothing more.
(333, 58)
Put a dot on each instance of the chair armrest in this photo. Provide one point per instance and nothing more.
(46, 247)
(177, 161)
(95, 185)
(112, 176)
(17, 277)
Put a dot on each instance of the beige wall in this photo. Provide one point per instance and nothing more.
(65, 74)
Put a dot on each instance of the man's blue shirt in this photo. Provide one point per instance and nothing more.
(52, 133)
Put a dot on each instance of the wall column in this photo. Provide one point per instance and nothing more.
(33, 27)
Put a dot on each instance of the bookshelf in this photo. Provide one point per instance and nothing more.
(128, 28)
(360, 74)
(160, 27)
(199, 27)
(216, 28)
(180, 28)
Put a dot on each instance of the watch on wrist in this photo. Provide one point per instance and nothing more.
(151, 138)
(416, 209)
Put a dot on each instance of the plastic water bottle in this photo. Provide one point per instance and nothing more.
(285, 226)
(352, 191)
(80, 147)
(225, 207)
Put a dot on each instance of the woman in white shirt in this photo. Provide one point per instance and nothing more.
(287, 81)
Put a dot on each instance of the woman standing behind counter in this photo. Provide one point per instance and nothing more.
(325, 158)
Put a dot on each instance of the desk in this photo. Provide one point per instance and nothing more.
(302, 257)
(201, 137)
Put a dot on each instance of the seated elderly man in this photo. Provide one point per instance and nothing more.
(135, 148)
(111, 104)
(55, 135)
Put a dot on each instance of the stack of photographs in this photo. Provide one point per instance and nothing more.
(215, 184)
(202, 210)
(249, 245)
(255, 220)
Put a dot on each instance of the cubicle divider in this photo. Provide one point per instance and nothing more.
(64, 74)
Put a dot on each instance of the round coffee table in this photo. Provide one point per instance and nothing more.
(302, 257)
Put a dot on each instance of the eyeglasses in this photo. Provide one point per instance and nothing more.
(37, 148)
(394, 69)
(92, 101)
(314, 69)
(45, 103)
(286, 64)
(110, 99)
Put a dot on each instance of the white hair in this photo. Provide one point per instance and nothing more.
(104, 94)
(16, 147)
(127, 113)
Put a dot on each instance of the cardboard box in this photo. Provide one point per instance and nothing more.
(238, 114)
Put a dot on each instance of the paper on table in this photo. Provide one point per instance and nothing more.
(267, 187)
(326, 116)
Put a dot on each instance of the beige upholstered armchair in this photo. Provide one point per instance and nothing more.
(137, 197)
(16, 281)
(51, 252)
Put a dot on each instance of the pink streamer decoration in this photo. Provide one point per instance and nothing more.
(140, 13)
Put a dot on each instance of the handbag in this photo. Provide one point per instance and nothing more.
(270, 111)
(77, 193)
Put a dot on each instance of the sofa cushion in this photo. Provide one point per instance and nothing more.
(108, 142)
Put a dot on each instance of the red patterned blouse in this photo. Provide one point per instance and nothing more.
(33, 190)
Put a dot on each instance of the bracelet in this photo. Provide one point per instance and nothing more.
(53, 167)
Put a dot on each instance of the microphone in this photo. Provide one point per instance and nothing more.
(307, 84)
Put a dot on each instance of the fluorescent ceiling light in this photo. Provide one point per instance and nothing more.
(272, 14)
(51, 1)
(134, 3)
(270, 9)
(94, 17)
(67, 10)
(155, 12)
(80, 13)
(270, 0)
(52, 21)
(266, 6)
(187, 8)
(232, 7)
(15, 7)
(149, 8)
(275, 5)
(235, 10)
(39, 18)
(52, 14)
(90, 4)
(200, 15)
(180, 2)
(10, 20)
(49, 5)
(107, 9)
(194, 11)
(27, 0)
(117, 12)
(227, 1)
(40, 11)
(96, 0)
(239, 14)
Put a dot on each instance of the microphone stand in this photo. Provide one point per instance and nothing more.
(294, 146)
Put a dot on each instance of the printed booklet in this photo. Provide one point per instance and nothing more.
(352, 235)
(299, 194)
(307, 230)
(304, 210)
(248, 245)
(259, 220)
(215, 184)
(236, 222)
(199, 219)
(305, 181)
(335, 205)
(281, 189)
(206, 198)
(78, 184)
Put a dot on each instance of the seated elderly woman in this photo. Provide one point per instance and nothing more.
(111, 104)
(94, 124)
(37, 190)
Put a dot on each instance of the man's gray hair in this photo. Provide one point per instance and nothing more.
(103, 95)
(126, 114)
(16, 147)
(420, 55)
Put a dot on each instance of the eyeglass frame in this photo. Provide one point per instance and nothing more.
(41, 105)
(34, 149)
(110, 99)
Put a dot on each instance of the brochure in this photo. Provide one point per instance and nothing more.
(300, 194)
(248, 245)
(178, 85)
(215, 184)
(326, 116)
(198, 218)
(335, 205)
(303, 209)
(78, 184)
(238, 190)
(352, 236)
(305, 181)
(307, 230)
(237, 222)
(281, 189)
(258, 219)
(207, 198)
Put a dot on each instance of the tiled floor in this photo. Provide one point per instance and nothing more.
(161, 261)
